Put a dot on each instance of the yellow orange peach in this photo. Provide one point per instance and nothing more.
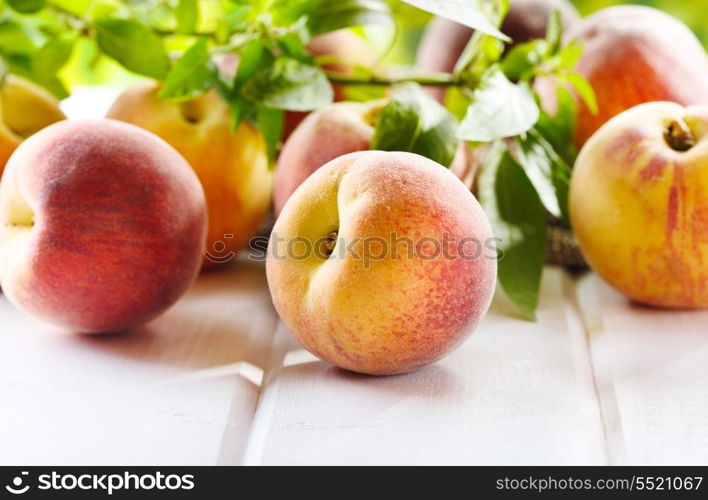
(381, 262)
(639, 204)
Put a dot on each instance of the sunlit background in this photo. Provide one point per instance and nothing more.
(411, 23)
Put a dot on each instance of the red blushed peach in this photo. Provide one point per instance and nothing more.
(102, 226)
(378, 262)
(334, 131)
(634, 54)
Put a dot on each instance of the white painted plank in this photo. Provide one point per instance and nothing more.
(651, 368)
(181, 391)
(515, 393)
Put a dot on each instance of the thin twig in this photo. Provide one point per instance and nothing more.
(427, 80)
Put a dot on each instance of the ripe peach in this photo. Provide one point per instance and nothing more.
(232, 166)
(102, 226)
(634, 54)
(25, 108)
(378, 262)
(344, 127)
(444, 40)
(639, 204)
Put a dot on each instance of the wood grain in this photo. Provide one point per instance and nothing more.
(651, 371)
(515, 393)
(182, 390)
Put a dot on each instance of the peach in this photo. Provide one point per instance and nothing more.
(639, 204)
(102, 226)
(381, 262)
(444, 40)
(634, 54)
(232, 166)
(25, 108)
(341, 128)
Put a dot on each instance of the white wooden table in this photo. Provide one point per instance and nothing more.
(218, 380)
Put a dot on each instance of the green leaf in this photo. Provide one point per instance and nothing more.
(288, 12)
(399, 124)
(481, 52)
(105, 9)
(187, 15)
(554, 32)
(545, 57)
(21, 65)
(326, 15)
(240, 109)
(270, 123)
(584, 90)
(18, 38)
(293, 45)
(290, 84)
(523, 59)
(134, 45)
(53, 55)
(569, 56)
(517, 218)
(548, 172)
(457, 101)
(237, 17)
(192, 75)
(253, 57)
(559, 129)
(47, 61)
(499, 109)
(471, 13)
(27, 6)
(52, 83)
(438, 141)
(415, 122)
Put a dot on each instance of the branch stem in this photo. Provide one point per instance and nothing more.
(425, 80)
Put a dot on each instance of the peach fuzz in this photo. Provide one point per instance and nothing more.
(639, 204)
(232, 166)
(334, 131)
(395, 312)
(102, 226)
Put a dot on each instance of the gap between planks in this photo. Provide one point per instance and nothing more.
(593, 406)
